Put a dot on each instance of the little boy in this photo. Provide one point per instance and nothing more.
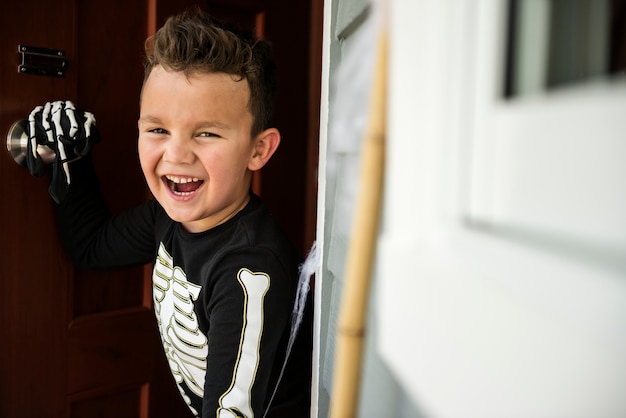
(224, 278)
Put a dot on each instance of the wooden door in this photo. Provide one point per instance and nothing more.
(76, 343)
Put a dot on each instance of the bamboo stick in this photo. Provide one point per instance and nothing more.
(352, 316)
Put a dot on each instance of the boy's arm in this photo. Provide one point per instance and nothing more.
(91, 236)
(249, 310)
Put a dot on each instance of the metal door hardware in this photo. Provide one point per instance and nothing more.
(17, 144)
(42, 61)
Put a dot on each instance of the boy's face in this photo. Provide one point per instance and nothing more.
(195, 146)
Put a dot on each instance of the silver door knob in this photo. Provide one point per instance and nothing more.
(17, 144)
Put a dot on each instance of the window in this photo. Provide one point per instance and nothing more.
(556, 43)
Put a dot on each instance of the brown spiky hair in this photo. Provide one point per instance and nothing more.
(194, 42)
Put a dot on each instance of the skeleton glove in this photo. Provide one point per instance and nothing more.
(69, 132)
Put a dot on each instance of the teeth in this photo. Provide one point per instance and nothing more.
(182, 180)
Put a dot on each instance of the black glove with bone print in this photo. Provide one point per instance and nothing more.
(69, 132)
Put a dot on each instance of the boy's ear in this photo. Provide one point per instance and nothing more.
(265, 144)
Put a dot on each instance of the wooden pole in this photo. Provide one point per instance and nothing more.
(361, 252)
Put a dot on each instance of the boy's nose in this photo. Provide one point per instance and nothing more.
(178, 150)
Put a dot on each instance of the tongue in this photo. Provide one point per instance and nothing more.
(187, 187)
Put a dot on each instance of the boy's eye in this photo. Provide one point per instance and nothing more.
(208, 135)
(157, 131)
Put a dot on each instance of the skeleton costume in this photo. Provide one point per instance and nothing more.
(222, 298)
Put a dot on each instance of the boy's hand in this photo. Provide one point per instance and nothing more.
(70, 133)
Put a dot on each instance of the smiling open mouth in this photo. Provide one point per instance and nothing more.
(183, 185)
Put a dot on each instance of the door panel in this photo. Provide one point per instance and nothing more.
(119, 352)
(123, 404)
